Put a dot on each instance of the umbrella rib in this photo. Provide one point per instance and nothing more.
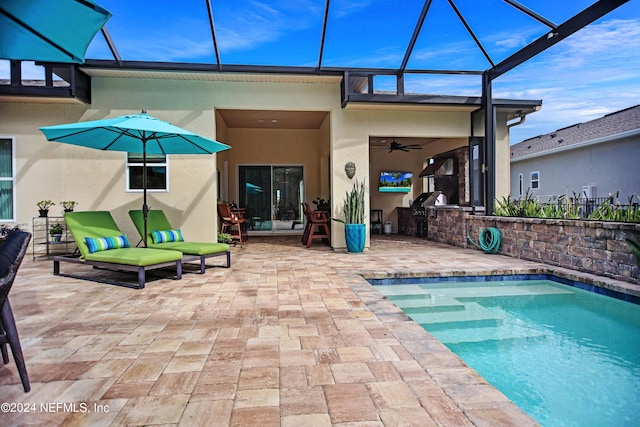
(80, 132)
(157, 138)
(194, 143)
(120, 134)
(37, 34)
(72, 134)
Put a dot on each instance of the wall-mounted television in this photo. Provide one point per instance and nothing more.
(395, 182)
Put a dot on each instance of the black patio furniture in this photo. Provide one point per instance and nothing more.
(11, 254)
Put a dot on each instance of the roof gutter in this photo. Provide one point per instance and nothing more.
(609, 138)
(522, 117)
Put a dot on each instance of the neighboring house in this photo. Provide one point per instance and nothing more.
(593, 159)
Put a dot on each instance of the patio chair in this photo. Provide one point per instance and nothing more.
(157, 224)
(102, 245)
(317, 226)
(11, 254)
(232, 223)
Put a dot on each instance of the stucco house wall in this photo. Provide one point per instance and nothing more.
(607, 167)
(49, 170)
(601, 154)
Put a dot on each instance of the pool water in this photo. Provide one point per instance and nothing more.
(566, 356)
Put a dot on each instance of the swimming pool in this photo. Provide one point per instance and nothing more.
(566, 356)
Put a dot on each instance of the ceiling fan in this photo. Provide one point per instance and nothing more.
(396, 146)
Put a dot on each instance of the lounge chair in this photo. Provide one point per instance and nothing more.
(92, 230)
(158, 222)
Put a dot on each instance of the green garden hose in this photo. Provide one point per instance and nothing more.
(489, 240)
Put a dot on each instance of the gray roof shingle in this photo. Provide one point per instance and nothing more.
(608, 125)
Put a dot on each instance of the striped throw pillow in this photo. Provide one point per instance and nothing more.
(164, 236)
(97, 244)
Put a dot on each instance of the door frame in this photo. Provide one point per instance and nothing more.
(272, 165)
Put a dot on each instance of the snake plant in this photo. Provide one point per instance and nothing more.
(353, 205)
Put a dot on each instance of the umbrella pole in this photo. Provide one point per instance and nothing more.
(145, 208)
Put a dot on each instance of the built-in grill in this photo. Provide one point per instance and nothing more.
(419, 211)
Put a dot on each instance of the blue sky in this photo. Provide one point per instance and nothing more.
(591, 73)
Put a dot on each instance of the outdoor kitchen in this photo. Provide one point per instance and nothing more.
(448, 188)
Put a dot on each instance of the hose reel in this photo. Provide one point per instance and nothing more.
(489, 240)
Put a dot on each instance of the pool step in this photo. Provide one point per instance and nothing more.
(473, 316)
(451, 313)
(470, 335)
(412, 289)
(426, 303)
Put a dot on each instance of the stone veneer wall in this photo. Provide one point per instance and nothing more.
(596, 247)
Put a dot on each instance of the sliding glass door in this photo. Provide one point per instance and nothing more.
(272, 197)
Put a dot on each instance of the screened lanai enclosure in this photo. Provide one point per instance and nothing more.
(432, 53)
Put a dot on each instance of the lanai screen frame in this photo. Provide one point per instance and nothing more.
(555, 34)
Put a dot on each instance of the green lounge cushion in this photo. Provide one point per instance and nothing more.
(139, 257)
(193, 248)
(157, 220)
(98, 224)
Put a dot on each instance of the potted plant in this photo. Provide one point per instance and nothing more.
(43, 207)
(355, 230)
(55, 230)
(224, 238)
(322, 204)
(68, 206)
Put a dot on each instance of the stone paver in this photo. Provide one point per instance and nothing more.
(287, 336)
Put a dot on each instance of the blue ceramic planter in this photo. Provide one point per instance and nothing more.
(355, 236)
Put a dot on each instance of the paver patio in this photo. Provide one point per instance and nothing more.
(287, 336)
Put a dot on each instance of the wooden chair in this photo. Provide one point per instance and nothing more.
(232, 223)
(317, 226)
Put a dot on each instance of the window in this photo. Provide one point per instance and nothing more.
(157, 172)
(520, 184)
(535, 180)
(7, 179)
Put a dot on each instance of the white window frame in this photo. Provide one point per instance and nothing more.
(12, 179)
(536, 180)
(128, 188)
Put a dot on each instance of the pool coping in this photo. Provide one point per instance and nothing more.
(598, 284)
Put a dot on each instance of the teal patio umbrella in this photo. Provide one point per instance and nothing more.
(136, 133)
(49, 30)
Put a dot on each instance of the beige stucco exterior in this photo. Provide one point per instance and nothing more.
(56, 171)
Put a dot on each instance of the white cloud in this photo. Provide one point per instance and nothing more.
(594, 72)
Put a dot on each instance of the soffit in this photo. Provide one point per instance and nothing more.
(21, 99)
(409, 107)
(272, 119)
(210, 76)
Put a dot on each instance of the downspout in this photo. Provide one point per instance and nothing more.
(522, 117)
